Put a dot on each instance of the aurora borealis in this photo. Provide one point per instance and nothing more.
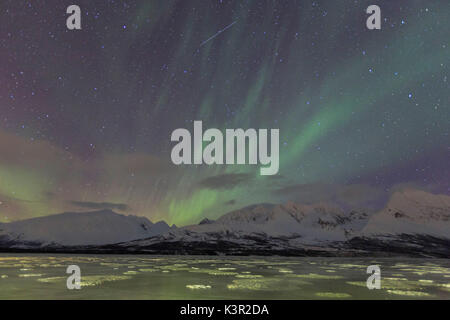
(86, 115)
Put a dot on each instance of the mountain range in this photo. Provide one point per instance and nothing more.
(80, 229)
(412, 223)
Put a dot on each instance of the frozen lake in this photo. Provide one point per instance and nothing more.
(201, 277)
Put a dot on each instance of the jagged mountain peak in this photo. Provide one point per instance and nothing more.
(412, 212)
(206, 221)
(411, 200)
(407, 215)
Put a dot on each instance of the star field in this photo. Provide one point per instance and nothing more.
(86, 115)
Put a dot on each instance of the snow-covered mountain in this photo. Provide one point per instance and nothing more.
(412, 212)
(290, 228)
(310, 222)
(81, 228)
(413, 223)
(407, 212)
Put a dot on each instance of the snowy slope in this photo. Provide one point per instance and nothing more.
(87, 228)
(412, 212)
(413, 223)
(312, 223)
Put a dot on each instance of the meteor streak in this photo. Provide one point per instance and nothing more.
(217, 33)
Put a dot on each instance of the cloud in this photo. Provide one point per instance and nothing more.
(359, 195)
(100, 205)
(276, 177)
(226, 181)
(353, 195)
(37, 154)
(230, 202)
(138, 163)
(308, 193)
(411, 185)
(45, 177)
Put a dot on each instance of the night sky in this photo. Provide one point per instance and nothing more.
(86, 115)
